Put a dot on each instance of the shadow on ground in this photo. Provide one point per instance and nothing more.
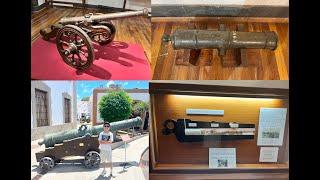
(77, 166)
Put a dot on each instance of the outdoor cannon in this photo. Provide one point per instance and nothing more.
(74, 35)
(78, 142)
(222, 40)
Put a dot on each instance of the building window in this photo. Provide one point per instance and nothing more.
(67, 110)
(41, 108)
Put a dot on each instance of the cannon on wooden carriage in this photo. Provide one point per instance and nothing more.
(74, 35)
(78, 142)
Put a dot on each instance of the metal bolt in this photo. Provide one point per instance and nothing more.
(166, 38)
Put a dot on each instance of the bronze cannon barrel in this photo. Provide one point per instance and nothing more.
(55, 138)
(209, 39)
(99, 17)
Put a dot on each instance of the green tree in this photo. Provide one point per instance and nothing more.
(115, 106)
(140, 107)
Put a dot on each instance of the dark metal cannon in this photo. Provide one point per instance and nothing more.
(187, 130)
(74, 35)
(78, 142)
(222, 40)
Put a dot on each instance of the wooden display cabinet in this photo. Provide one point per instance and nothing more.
(175, 160)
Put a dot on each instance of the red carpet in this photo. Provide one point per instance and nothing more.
(116, 61)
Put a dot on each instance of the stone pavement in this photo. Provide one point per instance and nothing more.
(74, 170)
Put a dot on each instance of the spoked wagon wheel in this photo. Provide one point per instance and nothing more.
(105, 34)
(46, 164)
(75, 47)
(92, 159)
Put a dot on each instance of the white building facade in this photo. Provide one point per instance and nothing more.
(53, 107)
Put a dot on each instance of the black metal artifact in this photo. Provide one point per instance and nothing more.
(222, 40)
(74, 35)
(78, 142)
(187, 130)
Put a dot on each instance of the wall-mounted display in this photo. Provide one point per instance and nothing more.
(193, 143)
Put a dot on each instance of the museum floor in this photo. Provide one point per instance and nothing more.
(131, 30)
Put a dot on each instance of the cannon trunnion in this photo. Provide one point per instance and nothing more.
(74, 35)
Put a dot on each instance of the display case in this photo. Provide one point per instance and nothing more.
(210, 131)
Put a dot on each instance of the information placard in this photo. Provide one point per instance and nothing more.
(271, 126)
(269, 154)
(222, 157)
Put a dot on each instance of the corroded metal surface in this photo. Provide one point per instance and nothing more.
(51, 139)
(223, 40)
(91, 17)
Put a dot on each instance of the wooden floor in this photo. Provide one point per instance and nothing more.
(262, 64)
(131, 30)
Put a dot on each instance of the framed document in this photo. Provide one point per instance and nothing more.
(271, 126)
(222, 157)
(268, 154)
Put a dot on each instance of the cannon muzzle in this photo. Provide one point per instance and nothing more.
(51, 139)
(101, 17)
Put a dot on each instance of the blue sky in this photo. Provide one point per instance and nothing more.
(85, 88)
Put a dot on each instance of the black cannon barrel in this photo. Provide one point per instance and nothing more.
(209, 39)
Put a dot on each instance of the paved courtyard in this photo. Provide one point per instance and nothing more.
(74, 170)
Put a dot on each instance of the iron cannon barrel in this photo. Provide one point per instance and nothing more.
(55, 138)
(207, 39)
(100, 17)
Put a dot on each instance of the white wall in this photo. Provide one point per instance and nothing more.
(43, 87)
(31, 117)
(40, 132)
(82, 107)
(135, 96)
(57, 88)
(90, 106)
(41, 2)
(222, 2)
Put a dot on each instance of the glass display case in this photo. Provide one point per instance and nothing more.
(209, 130)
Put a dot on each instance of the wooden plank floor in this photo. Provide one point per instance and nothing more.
(262, 64)
(130, 30)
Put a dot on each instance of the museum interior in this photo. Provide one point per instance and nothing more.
(116, 40)
(219, 130)
(181, 50)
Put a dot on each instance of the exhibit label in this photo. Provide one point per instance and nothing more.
(271, 126)
(269, 154)
(222, 157)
